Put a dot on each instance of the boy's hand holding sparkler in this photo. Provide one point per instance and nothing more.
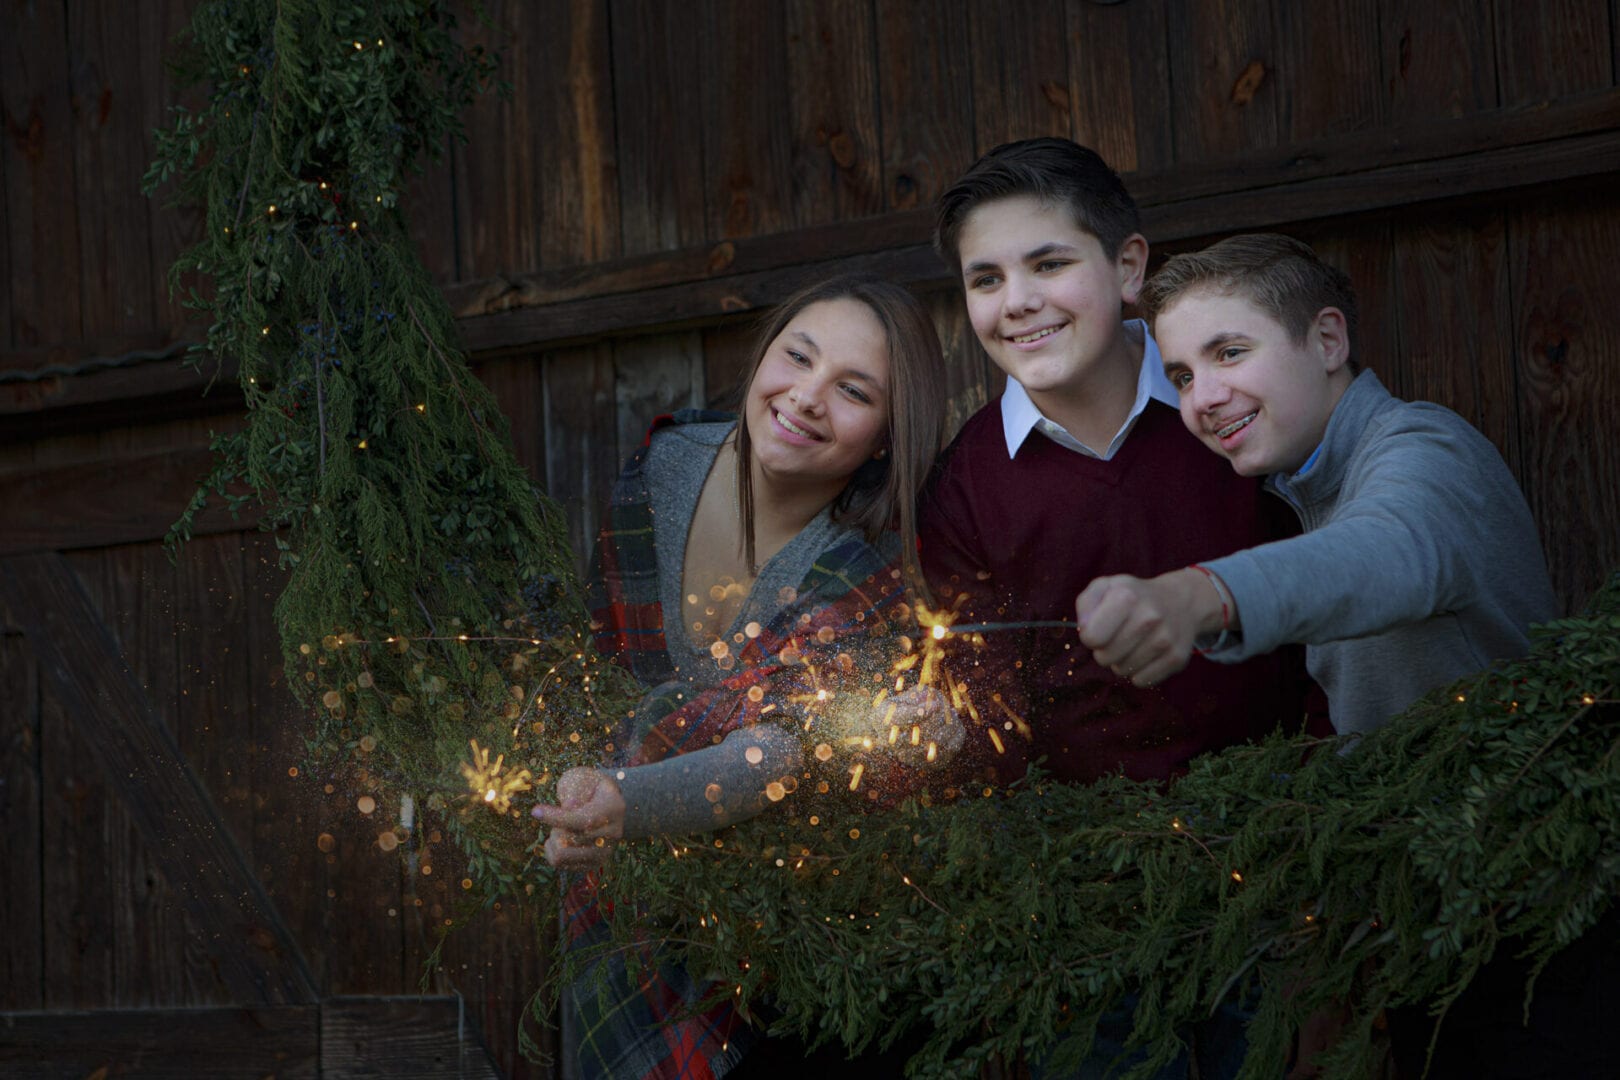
(1146, 629)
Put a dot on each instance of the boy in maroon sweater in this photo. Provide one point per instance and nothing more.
(1082, 468)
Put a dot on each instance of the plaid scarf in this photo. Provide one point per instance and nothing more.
(841, 622)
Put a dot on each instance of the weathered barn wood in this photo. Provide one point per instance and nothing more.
(344, 1038)
(1479, 155)
(22, 901)
(661, 174)
(104, 502)
(251, 953)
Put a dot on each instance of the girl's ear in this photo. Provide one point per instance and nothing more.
(1132, 266)
(1331, 335)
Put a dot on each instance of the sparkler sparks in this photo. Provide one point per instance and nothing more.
(486, 782)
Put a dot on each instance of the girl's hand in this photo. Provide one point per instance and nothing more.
(918, 728)
(586, 824)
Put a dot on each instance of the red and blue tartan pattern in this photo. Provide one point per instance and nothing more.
(643, 1021)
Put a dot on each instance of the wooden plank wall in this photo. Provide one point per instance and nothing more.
(636, 129)
(866, 108)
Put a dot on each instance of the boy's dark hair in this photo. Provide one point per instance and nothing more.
(1281, 276)
(1058, 171)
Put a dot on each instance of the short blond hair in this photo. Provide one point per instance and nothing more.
(1282, 276)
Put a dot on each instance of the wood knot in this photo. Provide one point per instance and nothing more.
(1248, 83)
(1557, 355)
(903, 192)
(721, 256)
(1056, 94)
(842, 148)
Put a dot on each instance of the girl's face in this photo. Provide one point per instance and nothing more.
(818, 405)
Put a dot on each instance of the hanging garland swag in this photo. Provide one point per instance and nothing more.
(433, 627)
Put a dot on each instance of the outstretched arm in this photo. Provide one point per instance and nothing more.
(697, 792)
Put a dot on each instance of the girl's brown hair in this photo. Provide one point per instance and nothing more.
(882, 493)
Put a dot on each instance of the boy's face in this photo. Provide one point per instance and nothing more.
(1248, 390)
(1042, 296)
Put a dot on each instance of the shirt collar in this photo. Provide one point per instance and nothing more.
(1019, 416)
(1323, 471)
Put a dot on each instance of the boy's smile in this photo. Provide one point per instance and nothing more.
(1247, 389)
(1045, 300)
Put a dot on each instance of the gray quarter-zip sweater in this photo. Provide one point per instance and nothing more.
(1419, 563)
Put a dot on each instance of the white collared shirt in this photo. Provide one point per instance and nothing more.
(1019, 415)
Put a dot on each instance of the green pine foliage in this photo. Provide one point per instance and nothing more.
(1298, 874)
(431, 600)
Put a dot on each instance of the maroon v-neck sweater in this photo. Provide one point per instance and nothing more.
(1020, 538)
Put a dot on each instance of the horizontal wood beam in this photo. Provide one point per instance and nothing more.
(231, 1043)
(1478, 155)
(548, 325)
(1339, 156)
(383, 1037)
(346, 1038)
(232, 919)
(106, 502)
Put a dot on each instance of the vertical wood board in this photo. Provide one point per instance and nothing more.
(133, 588)
(1552, 48)
(1020, 70)
(1329, 76)
(1456, 321)
(430, 206)
(107, 80)
(22, 848)
(746, 144)
(727, 349)
(652, 376)
(1365, 250)
(1565, 255)
(971, 379)
(658, 114)
(1439, 58)
(925, 105)
(83, 829)
(581, 435)
(36, 160)
(497, 175)
(170, 229)
(1224, 82)
(836, 148)
(517, 385)
(579, 188)
(1119, 81)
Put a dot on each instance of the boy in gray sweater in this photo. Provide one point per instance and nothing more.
(1420, 562)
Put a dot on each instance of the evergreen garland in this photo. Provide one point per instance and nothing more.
(430, 602)
(1289, 873)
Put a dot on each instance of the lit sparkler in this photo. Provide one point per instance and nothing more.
(488, 785)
